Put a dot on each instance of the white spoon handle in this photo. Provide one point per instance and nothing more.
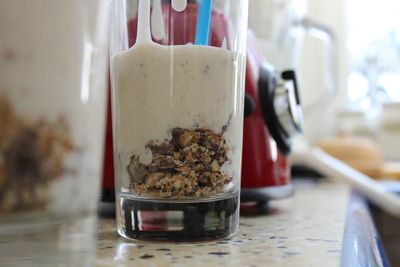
(340, 171)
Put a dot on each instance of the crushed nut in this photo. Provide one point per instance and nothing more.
(137, 171)
(215, 167)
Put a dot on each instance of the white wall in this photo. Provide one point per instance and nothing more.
(321, 123)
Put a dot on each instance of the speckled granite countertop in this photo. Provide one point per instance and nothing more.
(306, 230)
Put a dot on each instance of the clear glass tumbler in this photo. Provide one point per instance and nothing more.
(53, 57)
(177, 72)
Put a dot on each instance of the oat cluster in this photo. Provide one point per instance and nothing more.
(187, 166)
(31, 157)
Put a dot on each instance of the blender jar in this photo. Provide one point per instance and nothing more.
(177, 71)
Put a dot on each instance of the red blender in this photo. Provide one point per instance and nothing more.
(276, 116)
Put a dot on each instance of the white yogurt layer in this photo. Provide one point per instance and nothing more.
(158, 88)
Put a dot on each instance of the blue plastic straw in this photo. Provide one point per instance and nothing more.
(203, 22)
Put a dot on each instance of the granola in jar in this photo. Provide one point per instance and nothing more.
(189, 165)
(32, 156)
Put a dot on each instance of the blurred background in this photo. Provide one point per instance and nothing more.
(368, 72)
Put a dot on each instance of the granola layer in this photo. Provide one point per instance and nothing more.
(32, 155)
(187, 166)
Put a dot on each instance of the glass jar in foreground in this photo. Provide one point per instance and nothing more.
(177, 71)
(53, 57)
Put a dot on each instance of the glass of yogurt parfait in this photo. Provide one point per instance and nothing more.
(177, 71)
(53, 64)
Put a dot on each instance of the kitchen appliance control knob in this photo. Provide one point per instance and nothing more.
(280, 105)
(287, 106)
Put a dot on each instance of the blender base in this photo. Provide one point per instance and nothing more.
(171, 220)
